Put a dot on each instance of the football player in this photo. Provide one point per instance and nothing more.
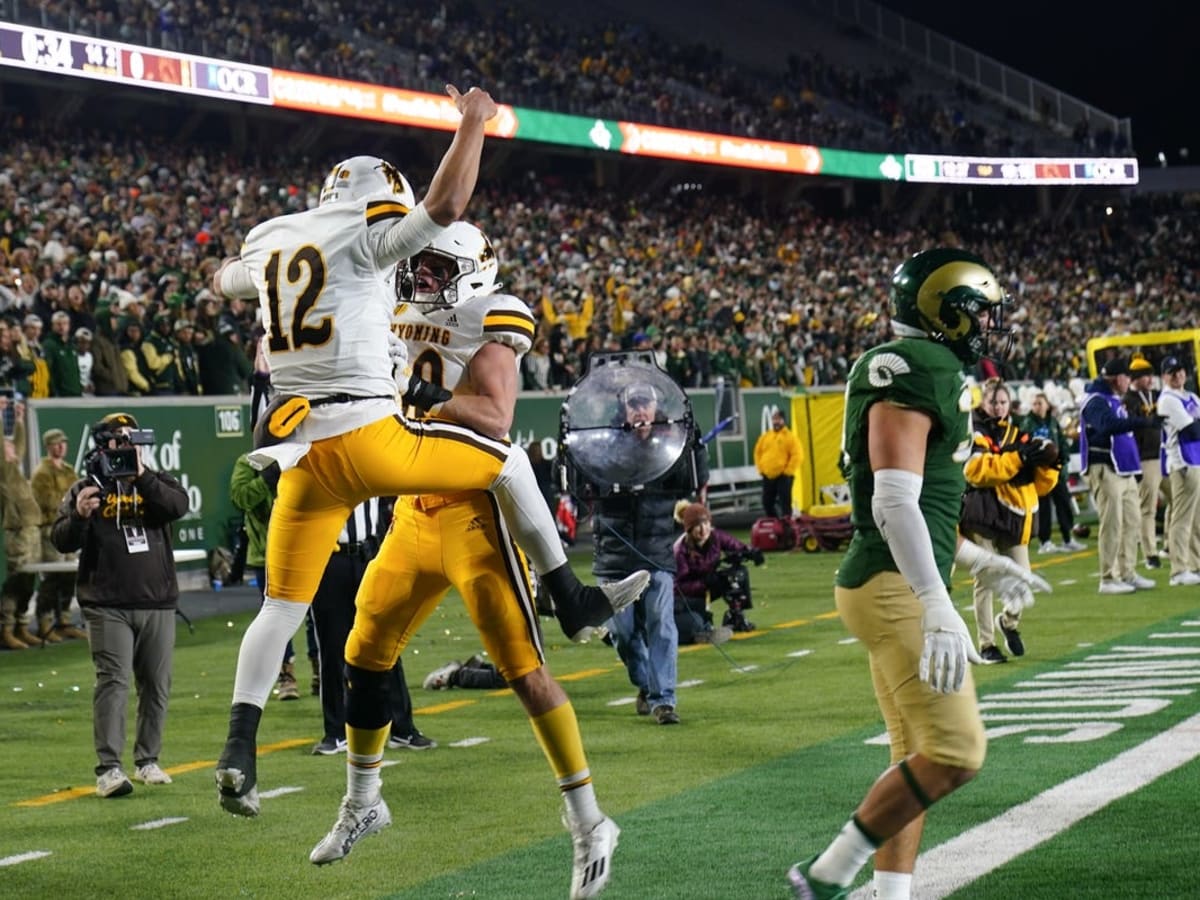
(906, 436)
(335, 428)
(462, 337)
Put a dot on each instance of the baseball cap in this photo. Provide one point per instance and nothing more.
(1139, 365)
(1171, 364)
(116, 420)
(53, 436)
(181, 324)
(83, 334)
(638, 393)
(1118, 365)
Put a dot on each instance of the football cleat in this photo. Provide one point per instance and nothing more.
(237, 778)
(805, 887)
(585, 613)
(439, 678)
(353, 823)
(592, 864)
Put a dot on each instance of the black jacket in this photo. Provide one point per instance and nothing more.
(109, 575)
(1149, 439)
(635, 531)
(638, 531)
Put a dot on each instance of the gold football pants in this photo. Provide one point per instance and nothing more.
(885, 615)
(384, 459)
(436, 543)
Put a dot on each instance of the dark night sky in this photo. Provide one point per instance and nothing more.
(1140, 60)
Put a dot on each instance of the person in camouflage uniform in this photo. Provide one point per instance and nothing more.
(906, 436)
(22, 541)
(51, 480)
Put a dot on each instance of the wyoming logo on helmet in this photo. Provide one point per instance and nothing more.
(941, 294)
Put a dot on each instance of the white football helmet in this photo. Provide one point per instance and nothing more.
(457, 265)
(366, 176)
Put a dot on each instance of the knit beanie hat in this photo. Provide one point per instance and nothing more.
(693, 515)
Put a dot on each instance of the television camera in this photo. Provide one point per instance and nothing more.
(105, 464)
(733, 583)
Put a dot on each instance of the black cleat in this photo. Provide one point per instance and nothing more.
(1012, 638)
(582, 609)
(237, 778)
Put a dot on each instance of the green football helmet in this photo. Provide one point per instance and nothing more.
(941, 294)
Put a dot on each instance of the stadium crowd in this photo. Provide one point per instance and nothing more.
(121, 235)
(625, 71)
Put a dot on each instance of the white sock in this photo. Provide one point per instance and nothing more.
(893, 885)
(582, 810)
(843, 858)
(525, 512)
(262, 649)
(363, 781)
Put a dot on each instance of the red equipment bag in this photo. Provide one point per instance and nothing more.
(769, 533)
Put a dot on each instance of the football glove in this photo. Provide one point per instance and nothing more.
(947, 648)
(424, 395)
(1012, 584)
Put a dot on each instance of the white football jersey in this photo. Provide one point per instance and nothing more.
(442, 342)
(325, 307)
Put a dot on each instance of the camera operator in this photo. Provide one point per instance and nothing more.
(118, 516)
(637, 531)
(698, 579)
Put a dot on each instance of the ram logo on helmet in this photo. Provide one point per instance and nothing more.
(943, 294)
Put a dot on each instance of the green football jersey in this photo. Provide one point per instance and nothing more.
(915, 374)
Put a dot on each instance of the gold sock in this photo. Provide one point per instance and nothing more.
(558, 733)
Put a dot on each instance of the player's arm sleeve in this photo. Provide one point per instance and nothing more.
(396, 233)
(897, 513)
(235, 280)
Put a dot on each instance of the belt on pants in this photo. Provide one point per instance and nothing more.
(430, 502)
(355, 548)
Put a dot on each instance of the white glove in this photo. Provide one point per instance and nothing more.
(1008, 581)
(992, 568)
(948, 646)
(1014, 594)
(398, 353)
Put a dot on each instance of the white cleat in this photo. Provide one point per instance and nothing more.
(439, 678)
(353, 823)
(592, 865)
(597, 605)
(624, 592)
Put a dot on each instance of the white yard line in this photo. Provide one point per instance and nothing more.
(23, 857)
(158, 823)
(984, 848)
(279, 792)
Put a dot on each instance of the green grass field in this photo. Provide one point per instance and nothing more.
(776, 747)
